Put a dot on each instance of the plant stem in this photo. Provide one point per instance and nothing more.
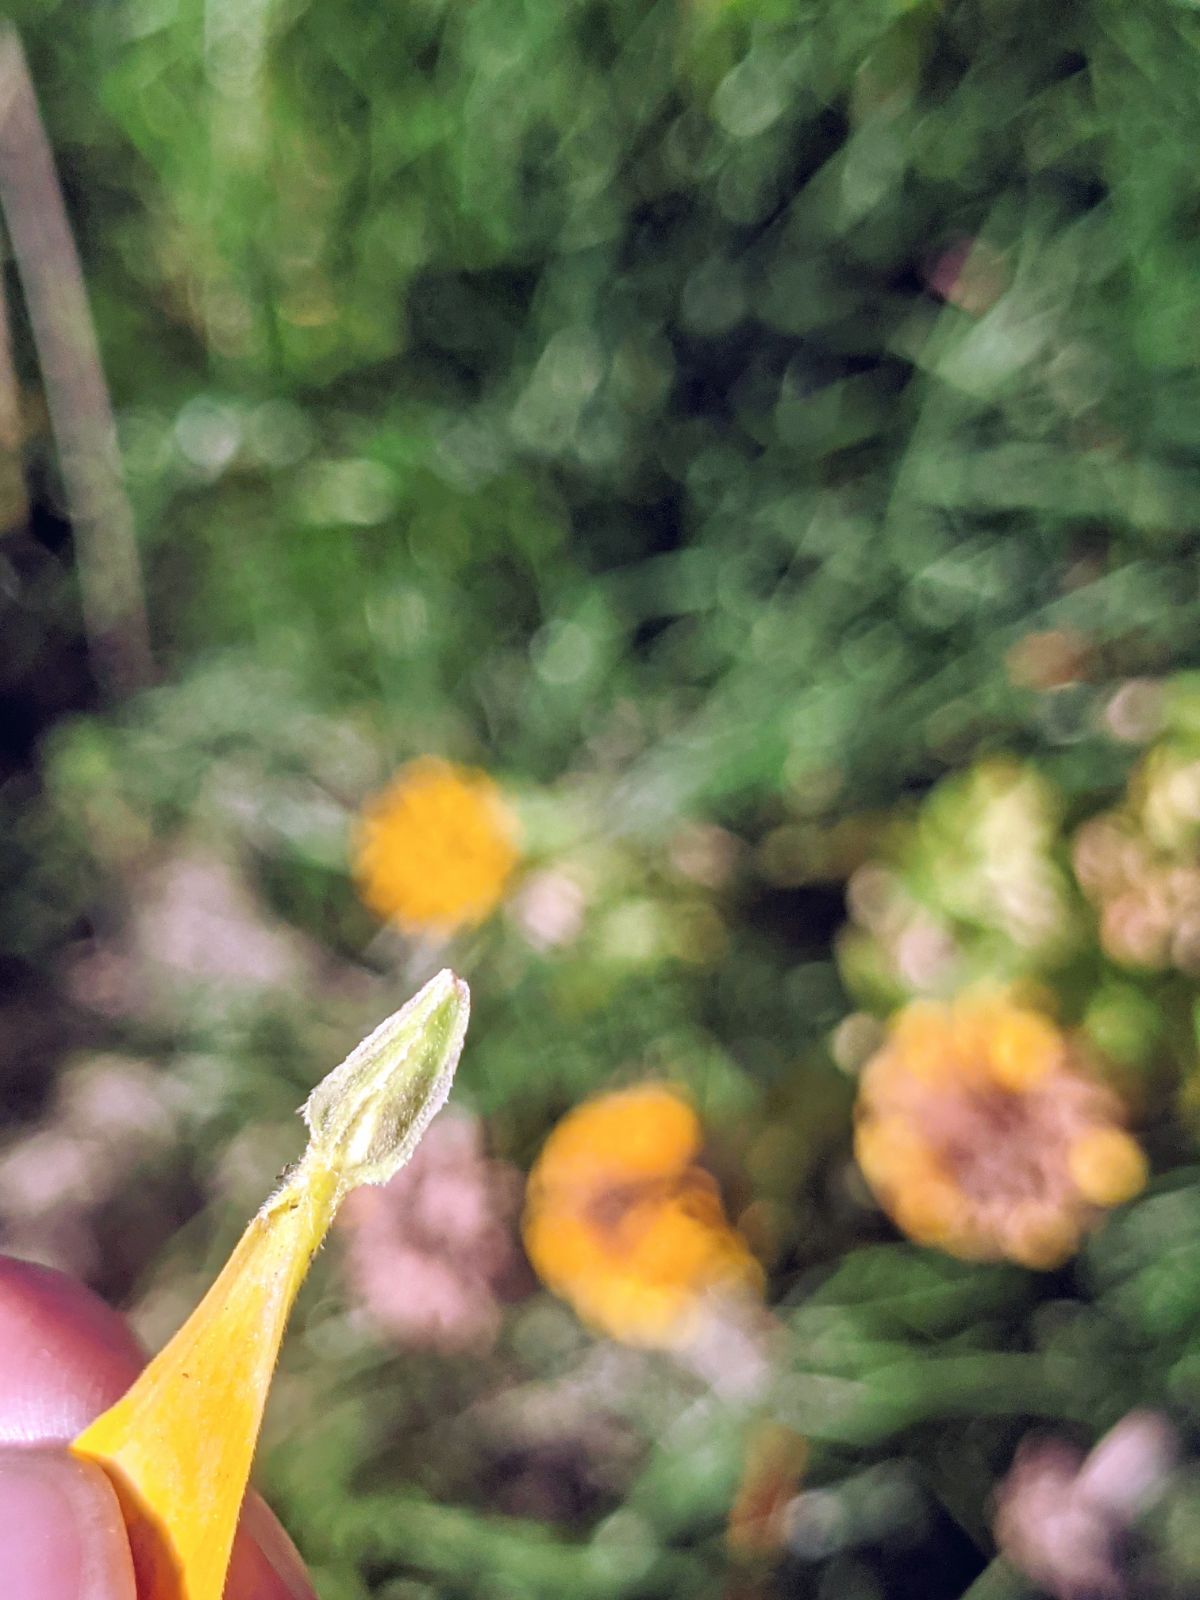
(81, 415)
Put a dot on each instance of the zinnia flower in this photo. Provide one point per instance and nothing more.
(434, 850)
(981, 1132)
(179, 1442)
(621, 1223)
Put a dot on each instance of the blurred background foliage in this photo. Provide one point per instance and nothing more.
(762, 437)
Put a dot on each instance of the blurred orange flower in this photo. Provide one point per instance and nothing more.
(621, 1223)
(982, 1132)
(435, 849)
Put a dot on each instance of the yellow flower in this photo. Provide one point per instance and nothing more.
(981, 1132)
(435, 849)
(179, 1442)
(622, 1224)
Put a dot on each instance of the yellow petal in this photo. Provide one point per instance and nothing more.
(1023, 1049)
(1040, 1235)
(1107, 1166)
(178, 1445)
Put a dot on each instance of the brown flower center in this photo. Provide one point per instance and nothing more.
(994, 1144)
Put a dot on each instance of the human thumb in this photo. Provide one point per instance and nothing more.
(61, 1532)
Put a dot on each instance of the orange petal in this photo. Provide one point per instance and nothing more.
(1107, 1166)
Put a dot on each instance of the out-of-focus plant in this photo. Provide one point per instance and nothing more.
(1140, 863)
(1000, 874)
(970, 889)
(735, 423)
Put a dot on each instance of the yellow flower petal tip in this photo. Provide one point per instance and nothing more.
(178, 1445)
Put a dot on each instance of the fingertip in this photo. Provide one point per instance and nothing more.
(266, 1564)
(67, 1356)
(61, 1531)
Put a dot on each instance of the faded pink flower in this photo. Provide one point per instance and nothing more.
(110, 1115)
(194, 927)
(549, 910)
(431, 1255)
(704, 853)
(970, 275)
(1062, 1517)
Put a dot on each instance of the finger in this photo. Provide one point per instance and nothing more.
(62, 1536)
(67, 1358)
(266, 1564)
